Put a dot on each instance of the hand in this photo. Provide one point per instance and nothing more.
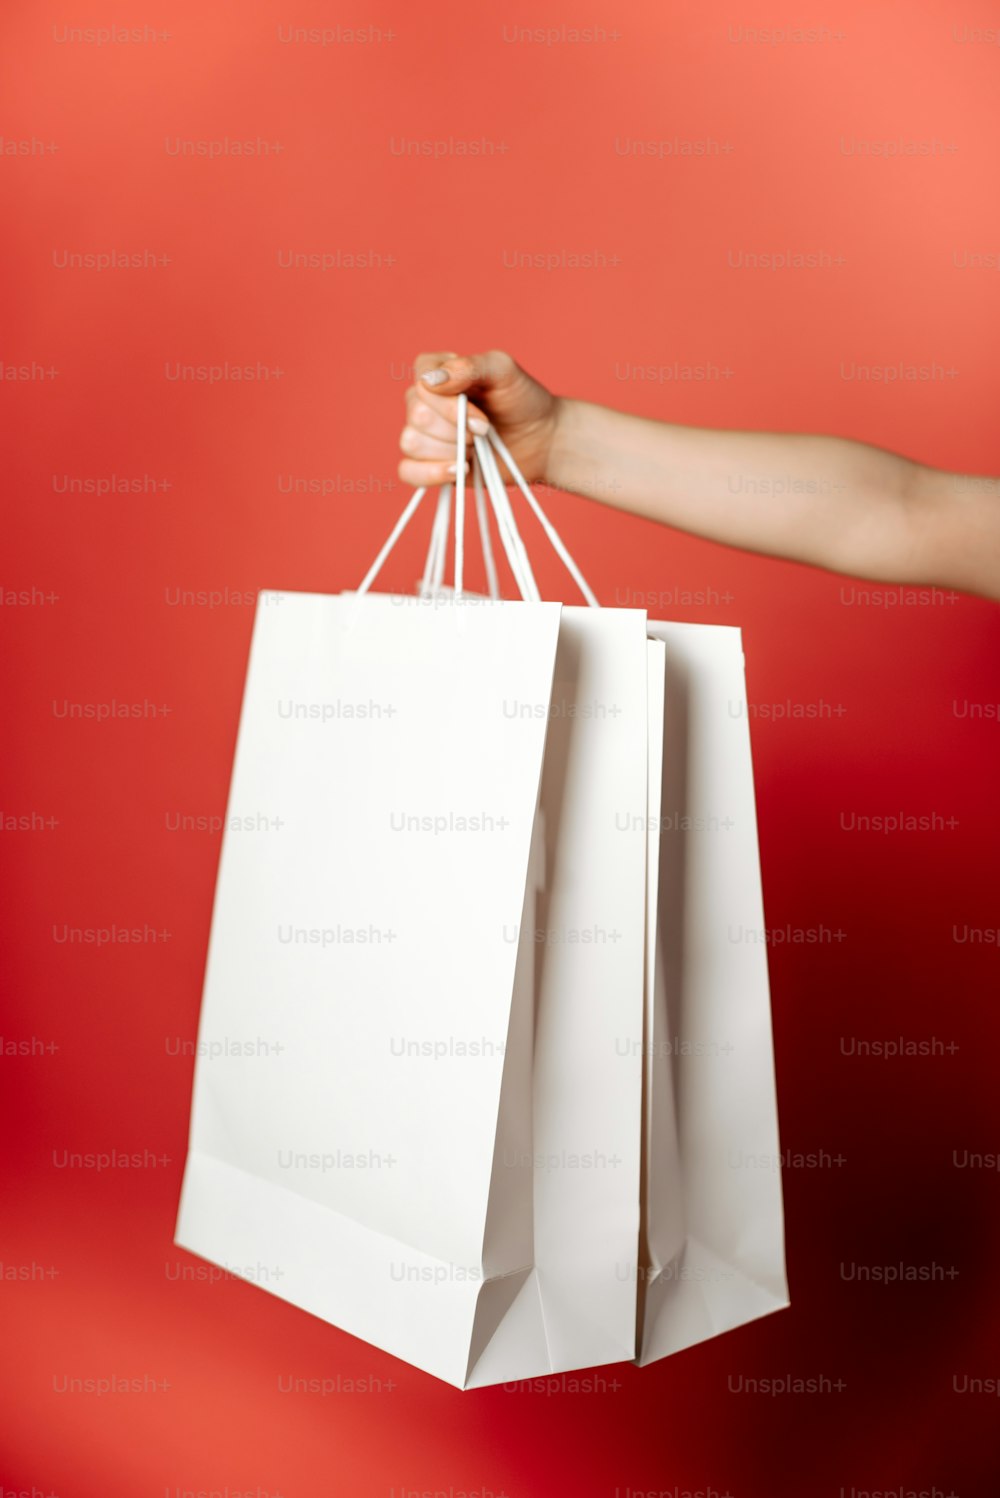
(521, 410)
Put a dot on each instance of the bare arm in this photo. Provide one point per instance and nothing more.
(826, 501)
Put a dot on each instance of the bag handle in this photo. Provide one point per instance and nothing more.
(485, 470)
(434, 566)
(492, 585)
(510, 536)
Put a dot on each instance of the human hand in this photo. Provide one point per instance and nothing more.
(522, 411)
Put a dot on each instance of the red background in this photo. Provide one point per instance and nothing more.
(99, 1293)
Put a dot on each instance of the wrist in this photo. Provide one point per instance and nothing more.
(559, 445)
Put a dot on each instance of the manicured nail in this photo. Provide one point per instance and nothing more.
(478, 425)
(434, 376)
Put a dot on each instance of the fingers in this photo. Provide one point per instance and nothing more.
(416, 443)
(427, 441)
(421, 474)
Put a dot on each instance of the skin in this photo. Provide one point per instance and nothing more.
(858, 509)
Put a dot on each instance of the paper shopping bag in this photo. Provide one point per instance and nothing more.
(577, 1308)
(367, 930)
(712, 1255)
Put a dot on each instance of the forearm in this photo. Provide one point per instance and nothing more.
(822, 500)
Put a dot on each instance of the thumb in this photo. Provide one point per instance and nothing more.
(450, 374)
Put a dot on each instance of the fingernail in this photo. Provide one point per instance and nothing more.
(453, 468)
(478, 425)
(434, 376)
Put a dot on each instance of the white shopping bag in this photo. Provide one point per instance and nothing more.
(578, 1307)
(371, 923)
(712, 1254)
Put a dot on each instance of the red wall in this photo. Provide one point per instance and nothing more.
(909, 245)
